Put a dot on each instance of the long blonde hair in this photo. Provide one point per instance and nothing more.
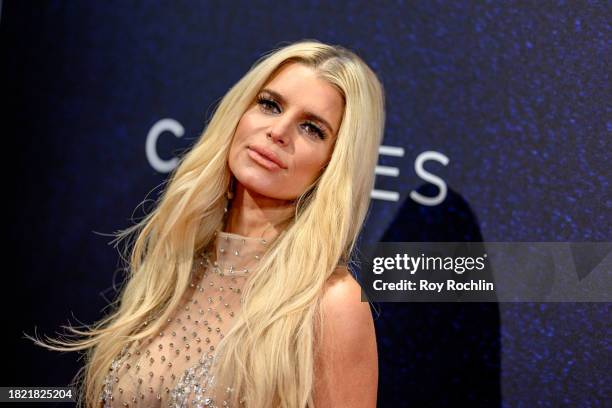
(268, 355)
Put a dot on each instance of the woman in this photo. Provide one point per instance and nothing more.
(238, 291)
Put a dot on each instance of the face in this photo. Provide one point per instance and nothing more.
(286, 136)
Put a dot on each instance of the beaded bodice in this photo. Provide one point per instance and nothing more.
(173, 367)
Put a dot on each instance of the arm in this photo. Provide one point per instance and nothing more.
(346, 364)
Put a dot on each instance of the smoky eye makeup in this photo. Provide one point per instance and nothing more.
(268, 103)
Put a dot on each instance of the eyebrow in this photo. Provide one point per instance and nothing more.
(309, 115)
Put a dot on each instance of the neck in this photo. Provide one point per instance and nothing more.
(255, 215)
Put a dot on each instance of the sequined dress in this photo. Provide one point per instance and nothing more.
(173, 367)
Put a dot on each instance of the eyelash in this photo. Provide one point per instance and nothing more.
(262, 100)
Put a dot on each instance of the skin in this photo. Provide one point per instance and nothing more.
(265, 198)
(346, 363)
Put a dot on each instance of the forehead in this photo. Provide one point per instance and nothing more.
(301, 88)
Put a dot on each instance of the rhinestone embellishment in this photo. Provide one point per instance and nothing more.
(175, 366)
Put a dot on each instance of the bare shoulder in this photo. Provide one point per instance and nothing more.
(346, 318)
(341, 299)
(347, 360)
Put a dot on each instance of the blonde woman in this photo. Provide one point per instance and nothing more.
(239, 292)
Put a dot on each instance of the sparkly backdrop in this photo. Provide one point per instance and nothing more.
(502, 105)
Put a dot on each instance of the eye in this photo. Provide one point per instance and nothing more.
(266, 103)
(315, 130)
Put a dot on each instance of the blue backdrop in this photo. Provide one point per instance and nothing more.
(497, 127)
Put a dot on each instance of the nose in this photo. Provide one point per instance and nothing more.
(279, 131)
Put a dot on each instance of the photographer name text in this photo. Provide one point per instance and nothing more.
(428, 286)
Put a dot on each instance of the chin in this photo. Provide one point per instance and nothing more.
(258, 184)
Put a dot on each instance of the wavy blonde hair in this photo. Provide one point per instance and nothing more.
(268, 355)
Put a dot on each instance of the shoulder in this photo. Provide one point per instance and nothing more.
(346, 319)
(347, 360)
(341, 300)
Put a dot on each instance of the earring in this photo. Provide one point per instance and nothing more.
(229, 194)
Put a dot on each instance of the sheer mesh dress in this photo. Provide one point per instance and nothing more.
(173, 367)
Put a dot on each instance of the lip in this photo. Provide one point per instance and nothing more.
(266, 157)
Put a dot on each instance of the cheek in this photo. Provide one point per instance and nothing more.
(246, 125)
(240, 133)
(308, 166)
(240, 136)
(234, 148)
